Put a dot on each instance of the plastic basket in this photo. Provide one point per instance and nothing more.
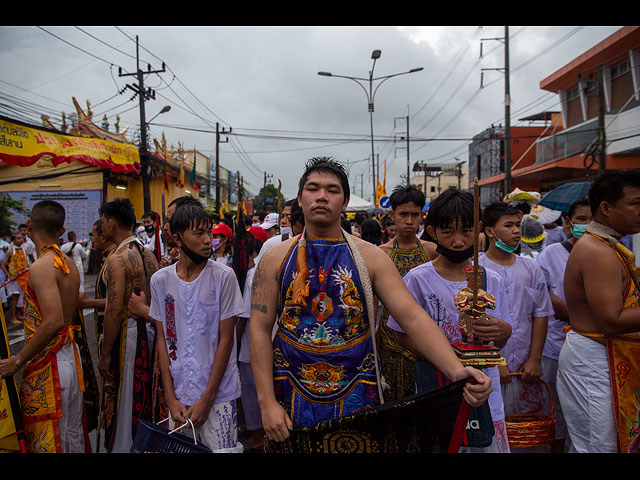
(152, 438)
(531, 430)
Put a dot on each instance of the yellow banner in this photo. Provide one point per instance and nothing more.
(22, 145)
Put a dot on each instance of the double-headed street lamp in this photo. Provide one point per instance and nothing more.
(371, 93)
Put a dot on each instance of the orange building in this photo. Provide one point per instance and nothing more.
(599, 95)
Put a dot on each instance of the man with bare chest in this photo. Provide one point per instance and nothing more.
(126, 357)
(602, 299)
(327, 273)
(50, 393)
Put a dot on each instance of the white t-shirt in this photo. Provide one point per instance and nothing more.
(190, 313)
(78, 255)
(528, 297)
(553, 262)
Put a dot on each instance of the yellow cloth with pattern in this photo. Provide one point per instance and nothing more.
(40, 391)
(624, 360)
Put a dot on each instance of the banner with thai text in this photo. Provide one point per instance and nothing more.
(23, 145)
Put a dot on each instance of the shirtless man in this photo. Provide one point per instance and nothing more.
(129, 268)
(601, 298)
(51, 301)
(323, 194)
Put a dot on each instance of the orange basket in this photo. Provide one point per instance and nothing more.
(531, 430)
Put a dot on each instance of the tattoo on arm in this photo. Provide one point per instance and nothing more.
(259, 307)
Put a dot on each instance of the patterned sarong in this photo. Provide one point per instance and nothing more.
(324, 357)
(397, 363)
(142, 375)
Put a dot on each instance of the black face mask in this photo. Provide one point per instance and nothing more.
(195, 257)
(149, 229)
(455, 256)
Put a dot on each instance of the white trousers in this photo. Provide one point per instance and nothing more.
(584, 390)
(220, 431)
(71, 429)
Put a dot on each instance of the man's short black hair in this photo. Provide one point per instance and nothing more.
(452, 205)
(582, 202)
(47, 216)
(22, 225)
(608, 186)
(151, 215)
(183, 200)
(494, 212)
(407, 194)
(326, 165)
(297, 215)
(98, 225)
(121, 210)
(189, 216)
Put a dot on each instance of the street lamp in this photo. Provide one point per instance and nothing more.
(165, 109)
(371, 93)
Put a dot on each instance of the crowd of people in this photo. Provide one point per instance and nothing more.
(266, 323)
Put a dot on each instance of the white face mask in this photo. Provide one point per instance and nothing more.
(284, 230)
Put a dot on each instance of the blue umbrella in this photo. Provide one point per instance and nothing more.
(562, 197)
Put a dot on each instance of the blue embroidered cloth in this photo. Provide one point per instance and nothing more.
(324, 362)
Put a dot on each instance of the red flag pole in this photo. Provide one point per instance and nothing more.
(157, 245)
(21, 272)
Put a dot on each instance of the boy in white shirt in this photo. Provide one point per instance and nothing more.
(195, 303)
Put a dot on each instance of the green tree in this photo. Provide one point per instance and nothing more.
(9, 206)
(267, 199)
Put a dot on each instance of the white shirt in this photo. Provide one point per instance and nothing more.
(191, 313)
(78, 255)
(553, 261)
(527, 297)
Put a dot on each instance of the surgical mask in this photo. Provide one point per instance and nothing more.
(455, 256)
(578, 230)
(215, 243)
(504, 247)
(285, 230)
(195, 257)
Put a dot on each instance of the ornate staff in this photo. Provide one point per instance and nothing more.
(476, 234)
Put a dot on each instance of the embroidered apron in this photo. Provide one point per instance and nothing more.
(324, 357)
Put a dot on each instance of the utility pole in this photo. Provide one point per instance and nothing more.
(507, 115)
(406, 138)
(602, 154)
(143, 95)
(507, 108)
(267, 176)
(218, 141)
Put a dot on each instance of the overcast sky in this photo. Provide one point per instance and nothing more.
(263, 84)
